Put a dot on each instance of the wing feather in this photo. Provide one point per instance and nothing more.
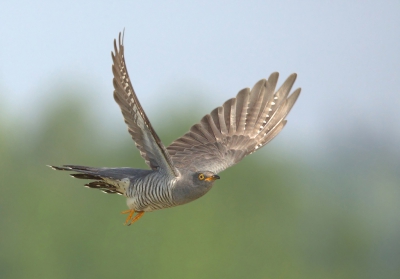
(237, 128)
(221, 120)
(147, 141)
(215, 130)
(256, 99)
(232, 120)
(266, 104)
(242, 105)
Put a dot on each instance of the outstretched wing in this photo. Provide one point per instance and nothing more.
(237, 128)
(146, 139)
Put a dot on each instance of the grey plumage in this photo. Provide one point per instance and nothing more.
(237, 128)
(187, 169)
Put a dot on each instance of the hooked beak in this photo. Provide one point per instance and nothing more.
(212, 178)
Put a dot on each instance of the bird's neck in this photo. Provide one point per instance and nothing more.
(184, 192)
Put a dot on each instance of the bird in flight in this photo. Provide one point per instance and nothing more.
(188, 168)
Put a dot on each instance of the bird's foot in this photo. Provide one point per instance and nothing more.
(132, 219)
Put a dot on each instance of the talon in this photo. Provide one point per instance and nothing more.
(130, 219)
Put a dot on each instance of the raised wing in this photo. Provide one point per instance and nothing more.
(146, 139)
(237, 128)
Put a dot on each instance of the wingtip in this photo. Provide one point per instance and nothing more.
(293, 77)
(274, 75)
(119, 48)
(296, 93)
(121, 37)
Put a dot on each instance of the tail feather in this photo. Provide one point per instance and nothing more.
(104, 187)
(85, 176)
(108, 180)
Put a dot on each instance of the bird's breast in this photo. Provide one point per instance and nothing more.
(150, 193)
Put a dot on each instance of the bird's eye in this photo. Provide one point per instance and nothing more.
(201, 176)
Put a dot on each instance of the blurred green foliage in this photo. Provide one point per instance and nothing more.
(271, 216)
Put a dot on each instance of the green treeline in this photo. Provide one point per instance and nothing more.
(267, 217)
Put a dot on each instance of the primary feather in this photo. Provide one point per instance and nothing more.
(237, 128)
(146, 139)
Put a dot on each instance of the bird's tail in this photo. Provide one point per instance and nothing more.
(108, 180)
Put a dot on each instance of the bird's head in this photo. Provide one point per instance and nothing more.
(193, 185)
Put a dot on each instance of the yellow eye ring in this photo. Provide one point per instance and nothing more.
(201, 176)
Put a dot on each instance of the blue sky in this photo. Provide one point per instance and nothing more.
(346, 54)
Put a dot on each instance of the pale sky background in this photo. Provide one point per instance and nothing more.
(346, 54)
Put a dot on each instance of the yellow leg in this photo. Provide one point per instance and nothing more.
(130, 219)
(137, 217)
(131, 212)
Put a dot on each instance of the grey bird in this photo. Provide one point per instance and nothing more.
(188, 168)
